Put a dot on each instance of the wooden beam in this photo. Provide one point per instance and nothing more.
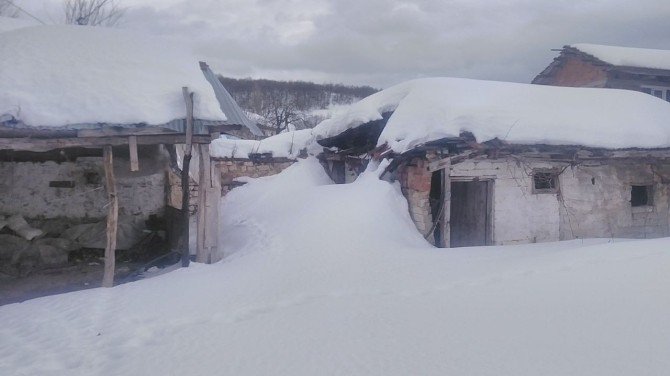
(41, 145)
(201, 253)
(186, 165)
(134, 160)
(212, 218)
(119, 131)
(209, 196)
(112, 217)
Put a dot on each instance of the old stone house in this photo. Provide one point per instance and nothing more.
(484, 163)
(88, 143)
(589, 65)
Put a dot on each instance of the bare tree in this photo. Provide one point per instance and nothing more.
(93, 12)
(8, 9)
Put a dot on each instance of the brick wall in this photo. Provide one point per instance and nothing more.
(414, 179)
(576, 72)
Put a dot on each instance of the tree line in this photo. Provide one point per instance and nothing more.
(281, 104)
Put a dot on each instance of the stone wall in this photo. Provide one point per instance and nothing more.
(76, 189)
(235, 168)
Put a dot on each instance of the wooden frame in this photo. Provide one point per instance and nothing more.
(490, 196)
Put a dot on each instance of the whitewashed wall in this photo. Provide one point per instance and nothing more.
(519, 216)
(594, 200)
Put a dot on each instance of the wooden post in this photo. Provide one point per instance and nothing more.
(185, 254)
(134, 160)
(446, 209)
(201, 253)
(209, 195)
(112, 217)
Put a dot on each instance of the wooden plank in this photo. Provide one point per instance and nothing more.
(41, 145)
(186, 165)
(118, 131)
(204, 189)
(439, 164)
(212, 218)
(446, 209)
(134, 160)
(188, 98)
(112, 217)
(209, 195)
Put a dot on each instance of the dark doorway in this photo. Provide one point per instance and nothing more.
(470, 219)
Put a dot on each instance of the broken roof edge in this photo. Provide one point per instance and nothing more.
(233, 112)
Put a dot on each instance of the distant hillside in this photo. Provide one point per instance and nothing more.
(291, 104)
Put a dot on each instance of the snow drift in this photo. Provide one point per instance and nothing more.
(334, 279)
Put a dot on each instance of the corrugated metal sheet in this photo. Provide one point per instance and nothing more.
(234, 114)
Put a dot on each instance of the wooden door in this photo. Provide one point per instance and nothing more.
(470, 213)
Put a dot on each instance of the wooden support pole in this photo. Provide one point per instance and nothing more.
(209, 196)
(446, 209)
(186, 165)
(201, 254)
(112, 217)
(134, 160)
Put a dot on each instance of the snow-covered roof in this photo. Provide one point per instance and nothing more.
(283, 145)
(434, 108)
(55, 76)
(627, 56)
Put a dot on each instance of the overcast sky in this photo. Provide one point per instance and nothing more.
(383, 42)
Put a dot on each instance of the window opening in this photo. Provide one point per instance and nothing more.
(640, 195)
(545, 182)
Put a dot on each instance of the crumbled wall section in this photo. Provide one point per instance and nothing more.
(235, 168)
(414, 179)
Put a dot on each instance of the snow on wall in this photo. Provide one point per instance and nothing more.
(25, 189)
(627, 56)
(62, 75)
(434, 108)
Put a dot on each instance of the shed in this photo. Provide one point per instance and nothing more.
(75, 99)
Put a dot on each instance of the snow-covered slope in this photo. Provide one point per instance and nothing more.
(10, 23)
(64, 75)
(324, 279)
(627, 56)
(434, 108)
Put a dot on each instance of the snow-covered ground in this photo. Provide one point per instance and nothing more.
(324, 279)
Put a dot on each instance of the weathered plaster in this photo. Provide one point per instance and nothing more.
(25, 189)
